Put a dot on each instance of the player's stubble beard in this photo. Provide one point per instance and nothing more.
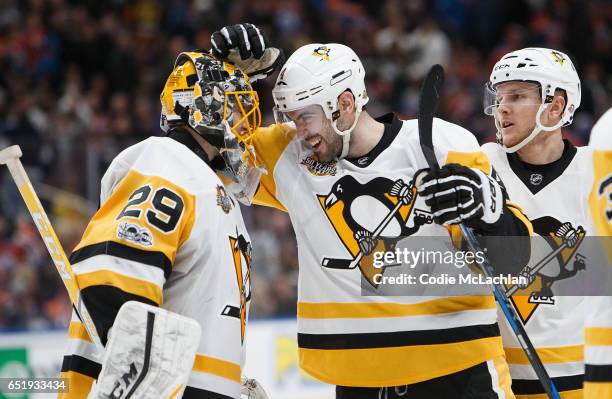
(332, 140)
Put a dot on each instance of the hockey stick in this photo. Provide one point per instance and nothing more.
(10, 157)
(428, 101)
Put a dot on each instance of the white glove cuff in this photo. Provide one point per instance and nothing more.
(492, 198)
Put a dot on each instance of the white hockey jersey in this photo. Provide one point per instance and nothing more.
(551, 196)
(344, 337)
(598, 328)
(168, 234)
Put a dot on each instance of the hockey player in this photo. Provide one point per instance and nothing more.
(532, 93)
(598, 328)
(169, 233)
(346, 180)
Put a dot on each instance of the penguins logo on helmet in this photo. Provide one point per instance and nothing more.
(558, 57)
(322, 52)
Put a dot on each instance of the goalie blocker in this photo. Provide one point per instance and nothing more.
(149, 354)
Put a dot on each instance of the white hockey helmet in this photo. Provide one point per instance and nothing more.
(550, 70)
(316, 74)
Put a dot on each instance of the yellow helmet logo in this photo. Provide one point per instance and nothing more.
(322, 52)
(558, 57)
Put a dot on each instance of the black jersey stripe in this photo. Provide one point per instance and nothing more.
(196, 393)
(400, 338)
(597, 373)
(151, 258)
(534, 387)
(81, 365)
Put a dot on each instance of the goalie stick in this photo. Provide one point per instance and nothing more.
(10, 157)
(428, 101)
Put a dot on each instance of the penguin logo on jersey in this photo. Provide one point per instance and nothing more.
(368, 218)
(562, 262)
(241, 255)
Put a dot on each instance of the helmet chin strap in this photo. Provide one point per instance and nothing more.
(536, 130)
(346, 134)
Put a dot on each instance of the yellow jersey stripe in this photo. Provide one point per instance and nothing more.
(79, 385)
(76, 330)
(335, 310)
(518, 212)
(396, 365)
(270, 143)
(598, 336)
(503, 375)
(476, 160)
(573, 394)
(597, 390)
(127, 284)
(564, 354)
(218, 367)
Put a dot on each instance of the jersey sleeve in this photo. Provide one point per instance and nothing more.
(598, 323)
(270, 143)
(600, 198)
(128, 248)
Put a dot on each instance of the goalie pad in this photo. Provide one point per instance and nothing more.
(150, 354)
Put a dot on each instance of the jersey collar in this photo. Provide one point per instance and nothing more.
(536, 177)
(392, 128)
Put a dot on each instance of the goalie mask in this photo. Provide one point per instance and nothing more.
(217, 101)
(549, 70)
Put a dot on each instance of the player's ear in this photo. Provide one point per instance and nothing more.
(557, 106)
(346, 102)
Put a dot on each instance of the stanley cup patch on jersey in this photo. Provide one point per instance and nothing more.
(317, 168)
(241, 255)
(224, 201)
(368, 218)
(561, 262)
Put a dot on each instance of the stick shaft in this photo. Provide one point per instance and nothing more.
(428, 101)
(10, 157)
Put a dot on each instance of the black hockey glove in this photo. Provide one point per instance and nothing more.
(457, 194)
(245, 46)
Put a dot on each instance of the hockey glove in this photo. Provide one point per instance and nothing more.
(252, 389)
(458, 194)
(245, 46)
